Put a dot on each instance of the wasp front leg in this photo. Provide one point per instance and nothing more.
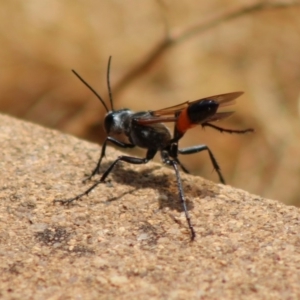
(115, 142)
(129, 159)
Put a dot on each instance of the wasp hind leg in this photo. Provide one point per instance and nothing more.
(221, 129)
(199, 148)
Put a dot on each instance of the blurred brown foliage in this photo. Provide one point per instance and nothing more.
(199, 48)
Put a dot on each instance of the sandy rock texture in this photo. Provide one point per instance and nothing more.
(129, 237)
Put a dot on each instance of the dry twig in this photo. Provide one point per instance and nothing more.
(174, 38)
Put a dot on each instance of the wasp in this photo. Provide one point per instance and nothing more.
(146, 129)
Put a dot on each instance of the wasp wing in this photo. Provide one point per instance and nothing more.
(223, 100)
(170, 114)
(153, 120)
(219, 116)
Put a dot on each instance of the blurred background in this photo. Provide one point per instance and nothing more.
(164, 52)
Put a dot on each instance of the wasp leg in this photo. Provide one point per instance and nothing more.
(227, 130)
(199, 148)
(132, 160)
(173, 153)
(114, 141)
(184, 169)
(68, 201)
(173, 163)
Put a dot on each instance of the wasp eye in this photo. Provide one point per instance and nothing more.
(108, 121)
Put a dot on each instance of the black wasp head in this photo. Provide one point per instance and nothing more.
(117, 122)
(200, 111)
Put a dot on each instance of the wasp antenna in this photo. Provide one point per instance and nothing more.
(108, 84)
(95, 93)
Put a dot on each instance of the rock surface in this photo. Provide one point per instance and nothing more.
(129, 238)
